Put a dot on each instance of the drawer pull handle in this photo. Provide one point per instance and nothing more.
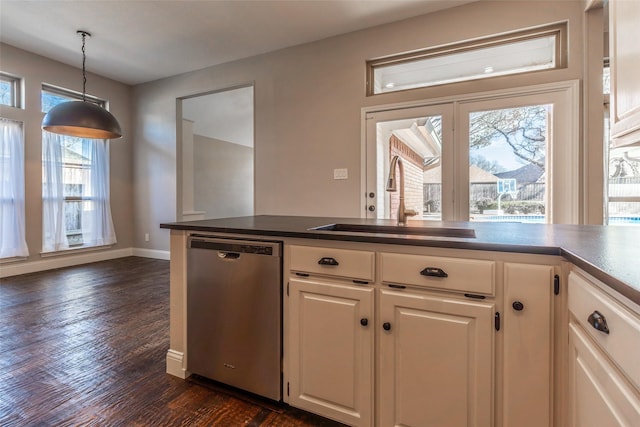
(598, 321)
(328, 261)
(434, 272)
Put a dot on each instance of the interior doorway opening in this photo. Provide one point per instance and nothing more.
(216, 154)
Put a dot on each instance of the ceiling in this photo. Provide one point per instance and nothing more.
(137, 41)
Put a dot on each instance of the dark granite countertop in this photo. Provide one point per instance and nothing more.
(609, 253)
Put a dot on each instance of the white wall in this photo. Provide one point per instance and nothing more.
(223, 178)
(308, 102)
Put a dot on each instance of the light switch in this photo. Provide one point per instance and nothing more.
(341, 173)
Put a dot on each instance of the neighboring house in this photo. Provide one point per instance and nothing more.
(530, 181)
(524, 175)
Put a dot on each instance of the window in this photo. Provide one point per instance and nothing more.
(9, 90)
(520, 52)
(622, 198)
(12, 218)
(507, 163)
(75, 187)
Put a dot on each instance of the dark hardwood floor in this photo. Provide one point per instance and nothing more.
(86, 345)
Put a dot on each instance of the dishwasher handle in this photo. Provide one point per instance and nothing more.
(237, 247)
(228, 255)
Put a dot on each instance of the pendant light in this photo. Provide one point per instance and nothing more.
(83, 119)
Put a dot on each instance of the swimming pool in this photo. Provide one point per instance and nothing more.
(539, 219)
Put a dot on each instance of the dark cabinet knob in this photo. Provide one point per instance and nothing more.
(597, 320)
(386, 326)
(364, 321)
(517, 306)
(371, 208)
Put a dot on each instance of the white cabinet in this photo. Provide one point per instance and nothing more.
(435, 361)
(331, 350)
(385, 338)
(527, 334)
(330, 325)
(441, 273)
(604, 372)
(624, 53)
(436, 341)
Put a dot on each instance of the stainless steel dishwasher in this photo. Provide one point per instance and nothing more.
(234, 313)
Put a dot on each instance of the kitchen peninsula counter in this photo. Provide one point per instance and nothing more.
(609, 253)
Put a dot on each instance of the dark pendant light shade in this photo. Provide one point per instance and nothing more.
(82, 119)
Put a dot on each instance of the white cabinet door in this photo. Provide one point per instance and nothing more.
(599, 395)
(436, 361)
(527, 377)
(331, 350)
(624, 51)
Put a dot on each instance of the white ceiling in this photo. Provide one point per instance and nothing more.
(138, 41)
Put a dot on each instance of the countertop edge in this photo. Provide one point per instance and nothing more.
(442, 242)
(610, 280)
(613, 282)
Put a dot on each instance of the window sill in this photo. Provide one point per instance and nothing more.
(74, 250)
(12, 259)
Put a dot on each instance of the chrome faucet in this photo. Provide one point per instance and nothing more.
(391, 186)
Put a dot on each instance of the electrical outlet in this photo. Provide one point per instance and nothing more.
(341, 173)
(146, 237)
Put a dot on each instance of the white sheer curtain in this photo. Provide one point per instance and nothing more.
(54, 237)
(12, 218)
(97, 225)
(79, 167)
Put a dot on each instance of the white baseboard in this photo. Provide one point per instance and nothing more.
(175, 363)
(7, 270)
(151, 253)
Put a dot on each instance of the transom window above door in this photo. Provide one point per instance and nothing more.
(519, 52)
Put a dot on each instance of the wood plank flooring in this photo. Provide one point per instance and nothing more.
(86, 345)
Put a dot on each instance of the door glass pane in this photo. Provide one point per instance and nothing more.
(507, 164)
(418, 142)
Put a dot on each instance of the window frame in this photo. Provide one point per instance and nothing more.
(71, 95)
(16, 89)
(558, 30)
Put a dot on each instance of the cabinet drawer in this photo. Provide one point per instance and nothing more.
(462, 275)
(623, 338)
(333, 262)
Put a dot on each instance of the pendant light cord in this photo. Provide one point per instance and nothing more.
(84, 35)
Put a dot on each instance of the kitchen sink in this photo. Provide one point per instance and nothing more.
(394, 229)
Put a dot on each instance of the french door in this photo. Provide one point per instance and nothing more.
(495, 157)
(423, 137)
